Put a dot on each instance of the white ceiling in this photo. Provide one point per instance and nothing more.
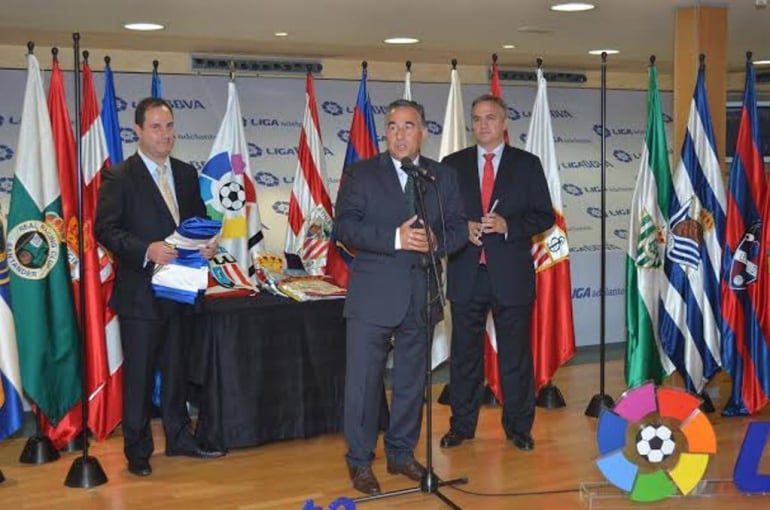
(469, 30)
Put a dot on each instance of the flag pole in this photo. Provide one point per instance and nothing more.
(602, 400)
(85, 472)
(549, 396)
(38, 449)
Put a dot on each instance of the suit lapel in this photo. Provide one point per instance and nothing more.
(504, 177)
(389, 182)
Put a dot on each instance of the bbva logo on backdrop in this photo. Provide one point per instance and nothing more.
(556, 139)
(334, 109)
(176, 103)
(6, 153)
(514, 114)
(344, 136)
(10, 120)
(256, 151)
(596, 212)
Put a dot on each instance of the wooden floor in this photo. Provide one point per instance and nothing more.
(284, 475)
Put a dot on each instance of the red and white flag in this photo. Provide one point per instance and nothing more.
(553, 333)
(104, 355)
(310, 208)
(491, 368)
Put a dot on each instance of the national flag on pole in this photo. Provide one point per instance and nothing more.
(645, 358)
(690, 319)
(553, 333)
(408, 82)
(46, 330)
(452, 140)
(362, 144)
(11, 409)
(104, 354)
(745, 350)
(496, 90)
(308, 234)
(156, 87)
(491, 369)
(228, 189)
(64, 142)
(109, 116)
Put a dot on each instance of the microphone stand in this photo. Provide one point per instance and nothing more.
(430, 482)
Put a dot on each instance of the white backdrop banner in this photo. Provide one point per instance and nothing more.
(272, 111)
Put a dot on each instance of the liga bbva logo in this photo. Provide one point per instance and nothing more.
(655, 443)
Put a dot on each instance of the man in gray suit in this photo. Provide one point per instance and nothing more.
(387, 290)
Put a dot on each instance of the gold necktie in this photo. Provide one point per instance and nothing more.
(168, 196)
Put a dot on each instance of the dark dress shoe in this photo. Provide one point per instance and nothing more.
(363, 480)
(523, 442)
(199, 453)
(411, 469)
(139, 467)
(452, 439)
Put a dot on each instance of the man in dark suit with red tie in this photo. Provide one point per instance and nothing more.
(141, 201)
(376, 216)
(507, 201)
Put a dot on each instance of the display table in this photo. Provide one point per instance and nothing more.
(268, 368)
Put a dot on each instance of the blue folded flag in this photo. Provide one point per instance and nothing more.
(184, 279)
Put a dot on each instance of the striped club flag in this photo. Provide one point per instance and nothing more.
(645, 359)
(745, 325)
(690, 318)
(362, 144)
(308, 234)
(553, 333)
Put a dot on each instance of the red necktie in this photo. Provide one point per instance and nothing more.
(487, 183)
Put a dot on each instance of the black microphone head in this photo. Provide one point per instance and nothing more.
(407, 163)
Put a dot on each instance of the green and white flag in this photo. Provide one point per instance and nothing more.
(645, 359)
(46, 329)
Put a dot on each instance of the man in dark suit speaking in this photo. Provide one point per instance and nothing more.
(141, 201)
(376, 216)
(507, 201)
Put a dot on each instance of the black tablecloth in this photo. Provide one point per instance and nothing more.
(268, 368)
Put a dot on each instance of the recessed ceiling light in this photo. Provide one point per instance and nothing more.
(608, 52)
(508, 46)
(143, 26)
(401, 40)
(762, 62)
(281, 34)
(572, 6)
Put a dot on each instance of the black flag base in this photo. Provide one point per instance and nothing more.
(85, 472)
(598, 402)
(707, 406)
(38, 450)
(550, 397)
(430, 484)
(489, 398)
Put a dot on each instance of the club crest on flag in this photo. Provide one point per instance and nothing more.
(549, 248)
(34, 247)
(745, 265)
(650, 237)
(686, 236)
(318, 229)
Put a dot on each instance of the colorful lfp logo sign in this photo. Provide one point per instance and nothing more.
(655, 443)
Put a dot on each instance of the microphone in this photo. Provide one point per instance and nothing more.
(408, 166)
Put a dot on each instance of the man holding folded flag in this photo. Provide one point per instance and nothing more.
(141, 201)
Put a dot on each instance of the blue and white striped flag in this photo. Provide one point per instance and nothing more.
(690, 318)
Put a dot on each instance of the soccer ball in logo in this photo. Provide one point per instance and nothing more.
(232, 196)
(655, 443)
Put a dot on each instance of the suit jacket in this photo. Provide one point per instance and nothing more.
(525, 202)
(131, 214)
(370, 206)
